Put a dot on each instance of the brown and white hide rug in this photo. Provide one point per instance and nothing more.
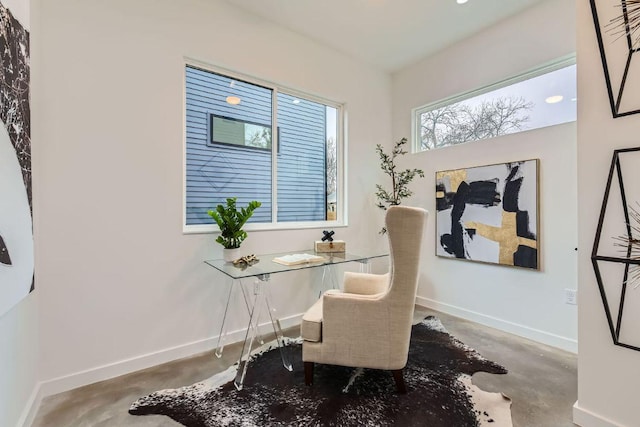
(438, 377)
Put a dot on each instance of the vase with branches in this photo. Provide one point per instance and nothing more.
(400, 179)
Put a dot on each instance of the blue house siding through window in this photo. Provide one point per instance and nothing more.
(216, 171)
(301, 160)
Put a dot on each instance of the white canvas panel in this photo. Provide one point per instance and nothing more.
(446, 181)
(483, 249)
(486, 215)
(15, 228)
(486, 173)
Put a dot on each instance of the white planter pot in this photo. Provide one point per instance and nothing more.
(230, 254)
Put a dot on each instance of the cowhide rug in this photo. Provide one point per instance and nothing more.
(438, 378)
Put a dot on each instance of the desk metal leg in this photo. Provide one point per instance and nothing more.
(255, 324)
(285, 352)
(329, 274)
(365, 266)
(260, 297)
(250, 336)
(223, 329)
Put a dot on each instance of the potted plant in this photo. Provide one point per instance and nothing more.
(230, 220)
(399, 179)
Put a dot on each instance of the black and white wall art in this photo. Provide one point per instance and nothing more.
(16, 230)
(489, 214)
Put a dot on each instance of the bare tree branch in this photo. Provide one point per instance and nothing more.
(458, 123)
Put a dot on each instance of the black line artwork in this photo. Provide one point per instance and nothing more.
(612, 285)
(617, 26)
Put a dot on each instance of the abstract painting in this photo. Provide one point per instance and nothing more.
(489, 214)
(16, 230)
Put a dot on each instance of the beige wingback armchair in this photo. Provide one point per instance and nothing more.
(368, 325)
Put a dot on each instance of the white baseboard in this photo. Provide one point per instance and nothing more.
(112, 370)
(585, 418)
(564, 343)
(31, 408)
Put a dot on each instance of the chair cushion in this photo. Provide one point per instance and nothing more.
(311, 328)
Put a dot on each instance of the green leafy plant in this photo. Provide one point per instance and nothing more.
(230, 220)
(399, 179)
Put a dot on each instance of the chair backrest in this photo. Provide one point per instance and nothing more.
(405, 226)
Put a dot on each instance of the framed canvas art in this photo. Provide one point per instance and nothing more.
(489, 214)
(16, 230)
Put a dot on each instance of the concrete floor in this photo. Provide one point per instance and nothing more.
(542, 382)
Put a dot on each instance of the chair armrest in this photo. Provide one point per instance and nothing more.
(353, 314)
(357, 331)
(364, 283)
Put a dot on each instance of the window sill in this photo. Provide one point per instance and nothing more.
(212, 228)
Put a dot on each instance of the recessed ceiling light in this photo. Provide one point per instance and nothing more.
(296, 101)
(554, 99)
(461, 1)
(233, 100)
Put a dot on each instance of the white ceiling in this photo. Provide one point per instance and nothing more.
(389, 34)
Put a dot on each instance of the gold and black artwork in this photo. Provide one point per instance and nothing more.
(489, 214)
(617, 25)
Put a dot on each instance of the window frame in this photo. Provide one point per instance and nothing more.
(548, 67)
(210, 132)
(341, 150)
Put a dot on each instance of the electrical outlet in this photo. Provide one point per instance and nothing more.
(571, 296)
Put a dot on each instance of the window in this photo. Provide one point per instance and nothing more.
(231, 151)
(544, 97)
(226, 130)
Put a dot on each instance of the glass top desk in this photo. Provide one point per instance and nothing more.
(256, 298)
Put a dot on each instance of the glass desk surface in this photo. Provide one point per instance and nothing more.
(267, 266)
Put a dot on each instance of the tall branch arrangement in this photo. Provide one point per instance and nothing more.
(627, 24)
(630, 245)
(399, 179)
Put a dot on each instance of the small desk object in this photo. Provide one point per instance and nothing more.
(256, 297)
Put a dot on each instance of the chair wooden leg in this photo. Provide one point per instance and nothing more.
(400, 386)
(308, 373)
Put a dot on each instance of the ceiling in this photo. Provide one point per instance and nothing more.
(389, 34)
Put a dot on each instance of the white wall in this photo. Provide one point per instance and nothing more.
(121, 286)
(528, 303)
(18, 360)
(607, 374)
